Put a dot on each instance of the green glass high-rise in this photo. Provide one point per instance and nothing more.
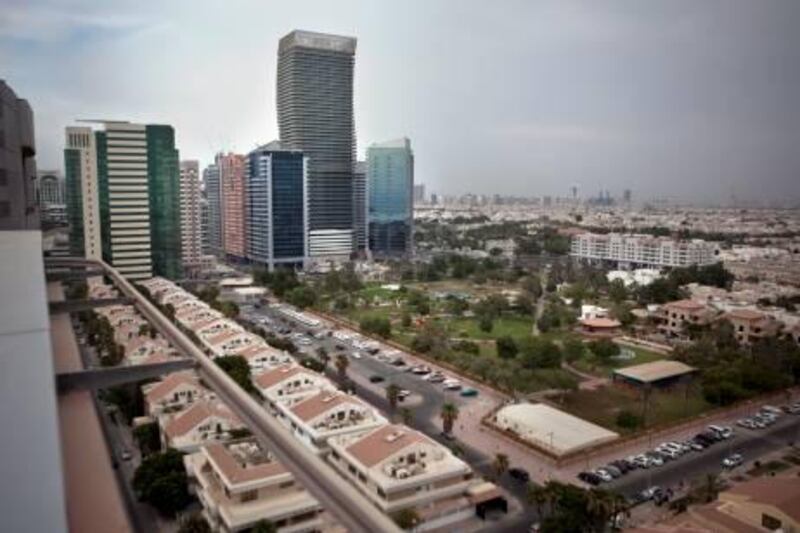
(164, 184)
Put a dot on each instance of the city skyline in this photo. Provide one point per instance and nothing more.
(682, 100)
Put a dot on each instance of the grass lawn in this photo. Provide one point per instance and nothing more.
(592, 365)
(602, 406)
(515, 326)
(356, 315)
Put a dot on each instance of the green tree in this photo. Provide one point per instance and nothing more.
(407, 416)
(238, 369)
(392, 396)
(604, 349)
(539, 353)
(302, 296)
(342, 363)
(449, 415)
(525, 304)
(147, 438)
(617, 291)
(161, 481)
(406, 518)
(264, 526)
(573, 349)
(628, 420)
(405, 320)
(500, 465)
(506, 347)
(376, 325)
(193, 523)
(485, 323)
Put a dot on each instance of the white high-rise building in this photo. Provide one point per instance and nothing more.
(128, 199)
(637, 251)
(191, 230)
(80, 158)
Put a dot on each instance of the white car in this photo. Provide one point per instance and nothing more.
(604, 475)
(732, 461)
(771, 409)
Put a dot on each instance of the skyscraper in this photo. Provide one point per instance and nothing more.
(360, 205)
(123, 188)
(190, 215)
(276, 206)
(82, 193)
(390, 186)
(315, 115)
(419, 193)
(213, 189)
(18, 206)
(231, 171)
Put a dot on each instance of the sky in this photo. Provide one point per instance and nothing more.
(682, 99)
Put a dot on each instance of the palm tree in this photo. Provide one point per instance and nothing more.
(449, 415)
(342, 362)
(324, 358)
(393, 395)
(500, 465)
(598, 503)
(407, 416)
(711, 487)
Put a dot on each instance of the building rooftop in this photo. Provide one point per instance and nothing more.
(165, 387)
(324, 401)
(685, 305)
(243, 461)
(282, 373)
(193, 416)
(748, 315)
(318, 41)
(552, 429)
(780, 492)
(655, 371)
(383, 443)
(601, 323)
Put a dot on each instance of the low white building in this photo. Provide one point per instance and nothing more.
(591, 312)
(201, 423)
(328, 414)
(641, 276)
(399, 468)
(173, 393)
(238, 483)
(291, 383)
(551, 430)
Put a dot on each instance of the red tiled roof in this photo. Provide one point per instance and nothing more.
(384, 442)
(321, 403)
(187, 420)
(235, 472)
(279, 374)
(168, 384)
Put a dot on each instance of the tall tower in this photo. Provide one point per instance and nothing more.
(360, 205)
(315, 115)
(390, 186)
(231, 172)
(214, 237)
(82, 193)
(190, 215)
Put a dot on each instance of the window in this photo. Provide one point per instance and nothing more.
(770, 522)
(5, 209)
(249, 496)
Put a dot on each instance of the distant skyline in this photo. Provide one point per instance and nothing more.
(681, 99)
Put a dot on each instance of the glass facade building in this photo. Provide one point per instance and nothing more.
(164, 184)
(213, 238)
(390, 186)
(74, 197)
(315, 115)
(277, 223)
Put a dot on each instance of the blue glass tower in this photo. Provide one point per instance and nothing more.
(277, 206)
(390, 186)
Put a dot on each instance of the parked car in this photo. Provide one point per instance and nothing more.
(604, 475)
(376, 379)
(590, 477)
(613, 470)
(125, 455)
(724, 432)
(643, 461)
(519, 474)
(771, 409)
(732, 461)
(469, 392)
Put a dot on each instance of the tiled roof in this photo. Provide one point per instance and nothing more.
(168, 384)
(279, 374)
(320, 403)
(187, 420)
(235, 471)
(384, 442)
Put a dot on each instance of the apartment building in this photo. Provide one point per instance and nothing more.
(191, 236)
(234, 205)
(173, 393)
(398, 468)
(239, 483)
(751, 326)
(327, 414)
(290, 383)
(675, 317)
(203, 422)
(82, 193)
(18, 205)
(642, 251)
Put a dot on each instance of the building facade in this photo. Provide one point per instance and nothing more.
(82, 193)
(276, 213)
(164, 182)
(643, 251)
(51, 188)
(123, 197)
(390, 186)
(315, 115)
(360, 206)
(191, 227)
(213, 190)
(234, 201)
(18, 205)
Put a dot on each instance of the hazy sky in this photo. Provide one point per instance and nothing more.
(672, 98)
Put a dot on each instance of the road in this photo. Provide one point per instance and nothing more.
(426, 403)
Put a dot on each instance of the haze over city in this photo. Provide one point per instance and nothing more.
(692, 101)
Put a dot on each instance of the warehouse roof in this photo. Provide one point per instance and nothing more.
(551, 429)
(654, 371)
